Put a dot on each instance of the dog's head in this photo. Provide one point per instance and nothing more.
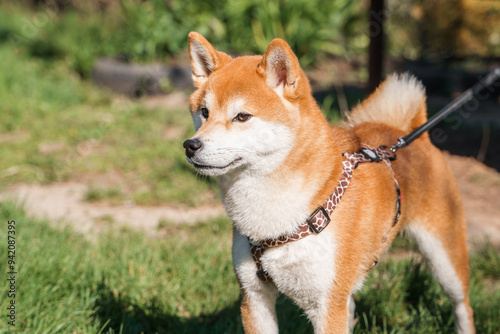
(245, 110)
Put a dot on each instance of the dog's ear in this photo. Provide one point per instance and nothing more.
(204, 58)
(280, 68)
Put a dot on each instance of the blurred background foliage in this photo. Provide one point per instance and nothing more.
(444, 28)
(79, 31)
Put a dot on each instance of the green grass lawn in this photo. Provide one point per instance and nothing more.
(123, 282)
(56, 127)
(91, 132)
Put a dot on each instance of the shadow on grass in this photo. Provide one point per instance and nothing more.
(398, 297)
(412, 301)
(119, 315)
(417, 296)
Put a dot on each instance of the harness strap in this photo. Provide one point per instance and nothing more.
(320, 218)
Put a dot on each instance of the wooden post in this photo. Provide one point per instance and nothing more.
(376, 48)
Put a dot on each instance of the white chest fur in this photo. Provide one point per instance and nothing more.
(262, 208)
(302, 269)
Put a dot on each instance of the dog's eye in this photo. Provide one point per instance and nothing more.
(241, 117)
(204, 112)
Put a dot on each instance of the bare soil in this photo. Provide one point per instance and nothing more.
(63, 204)
(480, 189)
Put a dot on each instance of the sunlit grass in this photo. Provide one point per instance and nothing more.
(122, 281)
(56, 127)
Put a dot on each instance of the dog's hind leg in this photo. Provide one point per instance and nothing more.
(351, 304)
(445, 249)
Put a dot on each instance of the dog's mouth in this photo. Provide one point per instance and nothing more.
(214, 169)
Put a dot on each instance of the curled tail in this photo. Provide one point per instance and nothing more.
(400, 102)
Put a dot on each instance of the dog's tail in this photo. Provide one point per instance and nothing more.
(399, 101)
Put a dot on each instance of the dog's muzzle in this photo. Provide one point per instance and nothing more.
(191, 146)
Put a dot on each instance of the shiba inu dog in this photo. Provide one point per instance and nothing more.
(307, 222)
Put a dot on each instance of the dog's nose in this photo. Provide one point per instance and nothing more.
(191, 146)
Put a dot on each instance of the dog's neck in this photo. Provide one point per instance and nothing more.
(275, 204)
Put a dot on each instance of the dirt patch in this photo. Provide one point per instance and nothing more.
(62, 203)
(14, 136)
(480, 189)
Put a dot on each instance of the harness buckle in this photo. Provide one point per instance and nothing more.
(370, 154)
(320, 228)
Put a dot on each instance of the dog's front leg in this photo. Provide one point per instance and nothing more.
(258, 313)
(339, 319)
(258, 307)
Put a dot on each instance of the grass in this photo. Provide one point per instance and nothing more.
(123, 282)
(95, 194)
(92, 133)
(44, 104)
(119, 280)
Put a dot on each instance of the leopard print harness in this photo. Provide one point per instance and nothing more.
(320, 218)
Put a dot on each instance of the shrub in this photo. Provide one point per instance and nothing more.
(152, 30)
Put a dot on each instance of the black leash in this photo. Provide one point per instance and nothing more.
(451, 107)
